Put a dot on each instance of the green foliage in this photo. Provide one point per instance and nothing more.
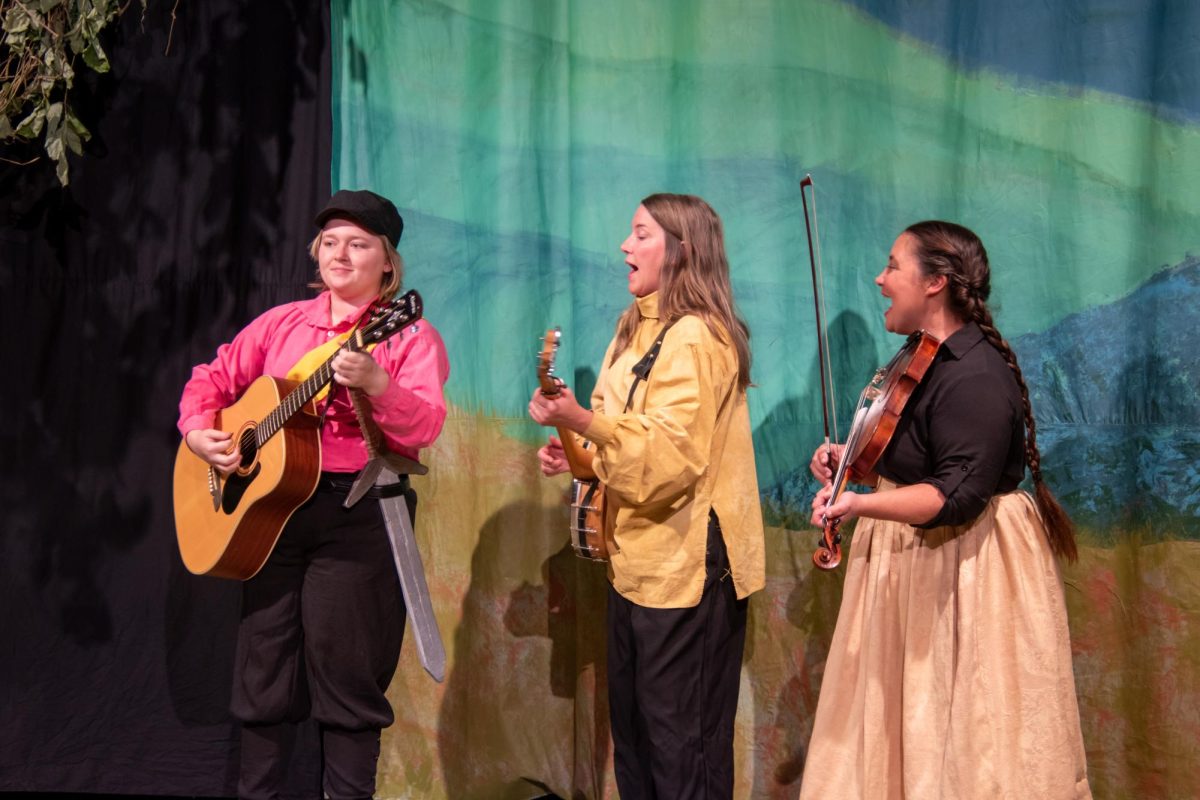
(43, 39)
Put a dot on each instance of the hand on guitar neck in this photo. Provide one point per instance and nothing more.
(563, 453)
(553, 404)
(560, 410)
(360, 371)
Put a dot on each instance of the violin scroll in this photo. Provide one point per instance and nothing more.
(829, 547)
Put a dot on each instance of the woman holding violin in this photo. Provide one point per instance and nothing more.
(949, 675)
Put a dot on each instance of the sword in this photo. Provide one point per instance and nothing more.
(384, 469)
(412, 578)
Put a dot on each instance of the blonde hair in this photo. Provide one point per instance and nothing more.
(694, 277)
(391, 282)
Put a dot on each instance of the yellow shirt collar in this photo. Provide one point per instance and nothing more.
(648, 305)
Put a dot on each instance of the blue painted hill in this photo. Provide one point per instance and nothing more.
(1116, 391)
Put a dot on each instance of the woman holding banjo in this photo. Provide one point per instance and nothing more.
(949, 674)
(673, 448)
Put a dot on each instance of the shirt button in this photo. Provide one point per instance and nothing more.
(964, 468)
(329, 334)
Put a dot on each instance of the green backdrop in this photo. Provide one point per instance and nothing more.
(517, 139)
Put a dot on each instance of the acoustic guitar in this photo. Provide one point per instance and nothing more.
(227, 527)
(587, 492)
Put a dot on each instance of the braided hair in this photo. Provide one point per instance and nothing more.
(944, 248)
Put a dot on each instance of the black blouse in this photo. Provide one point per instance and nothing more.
(963, 429)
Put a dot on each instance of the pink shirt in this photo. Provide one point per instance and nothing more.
(410, 412)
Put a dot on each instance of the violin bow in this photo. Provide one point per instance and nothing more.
(828, 401)
(828, 553)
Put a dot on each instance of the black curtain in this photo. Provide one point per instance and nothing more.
(189, 213)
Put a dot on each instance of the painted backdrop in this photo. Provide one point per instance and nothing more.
(518, 138)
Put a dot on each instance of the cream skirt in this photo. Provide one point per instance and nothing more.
(949, 676)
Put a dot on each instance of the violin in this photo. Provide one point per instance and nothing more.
(880, 403)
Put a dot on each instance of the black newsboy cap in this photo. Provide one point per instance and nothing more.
(375, 213)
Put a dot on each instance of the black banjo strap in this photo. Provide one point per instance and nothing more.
(641, 369)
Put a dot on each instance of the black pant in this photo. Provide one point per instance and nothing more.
(673, 679)
(320, 636)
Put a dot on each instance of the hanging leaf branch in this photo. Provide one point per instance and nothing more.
(43, 41)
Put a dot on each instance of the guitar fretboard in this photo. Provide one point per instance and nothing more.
(403, 311)
(300, 396)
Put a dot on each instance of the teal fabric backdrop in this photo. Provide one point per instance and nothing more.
(518, 138)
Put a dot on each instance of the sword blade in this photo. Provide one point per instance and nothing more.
(412, 580)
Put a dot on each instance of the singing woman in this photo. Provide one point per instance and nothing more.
(677, 462)
(949, 675)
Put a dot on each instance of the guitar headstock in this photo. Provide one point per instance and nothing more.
(551, 384)
(389, 318)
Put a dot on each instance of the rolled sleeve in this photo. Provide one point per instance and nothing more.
(971, 430)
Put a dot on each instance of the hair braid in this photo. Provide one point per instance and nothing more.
(956, 252)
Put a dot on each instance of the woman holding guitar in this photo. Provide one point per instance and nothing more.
(674, 452)
(949, 674)
(323, 619)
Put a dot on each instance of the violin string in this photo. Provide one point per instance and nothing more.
(823, 330)
(852, 438)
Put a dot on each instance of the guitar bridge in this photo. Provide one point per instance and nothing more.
(214, 487)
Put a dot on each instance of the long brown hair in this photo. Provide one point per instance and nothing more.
(694, 277)
(944, 248)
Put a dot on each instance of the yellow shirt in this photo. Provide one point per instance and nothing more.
(684, 447)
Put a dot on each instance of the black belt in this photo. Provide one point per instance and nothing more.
(341, 482)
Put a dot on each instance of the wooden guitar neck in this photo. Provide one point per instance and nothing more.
(578, 458)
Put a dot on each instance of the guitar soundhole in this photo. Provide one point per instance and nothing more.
(248, 446)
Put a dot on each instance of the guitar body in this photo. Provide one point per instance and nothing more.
(234, 539)
(587, 520)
